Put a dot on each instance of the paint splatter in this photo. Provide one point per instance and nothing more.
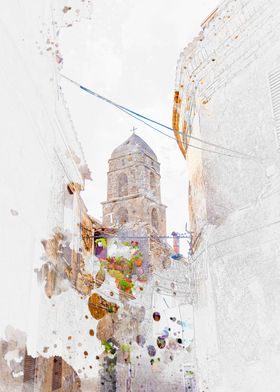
(99, 307)
(156, 316)
(140, 340)
(161, 343)
(151, 351)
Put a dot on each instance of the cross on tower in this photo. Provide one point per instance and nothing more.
(133, 130)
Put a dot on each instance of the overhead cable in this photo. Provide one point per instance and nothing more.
(142, 118)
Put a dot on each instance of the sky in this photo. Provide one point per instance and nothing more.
(128, 52)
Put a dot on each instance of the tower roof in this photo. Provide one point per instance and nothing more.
(132, 145)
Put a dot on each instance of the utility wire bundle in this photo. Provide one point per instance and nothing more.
(148, 121)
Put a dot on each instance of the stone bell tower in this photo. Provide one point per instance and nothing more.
(133, 188)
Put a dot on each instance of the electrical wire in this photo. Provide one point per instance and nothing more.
(188, 144)
(141, 118)
(134, 237)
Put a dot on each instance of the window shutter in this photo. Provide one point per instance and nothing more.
(57, 373)
(274, 82)
(29, 371)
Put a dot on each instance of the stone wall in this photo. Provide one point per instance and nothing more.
(137, 167)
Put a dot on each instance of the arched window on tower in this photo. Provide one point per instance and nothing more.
(122, 185)
(122, 216)
(154, 216)
(153, 183)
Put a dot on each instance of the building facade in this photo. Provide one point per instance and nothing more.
(227, 93)
(41, 207)
(133, 190)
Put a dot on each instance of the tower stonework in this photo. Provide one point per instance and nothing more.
(133, 188)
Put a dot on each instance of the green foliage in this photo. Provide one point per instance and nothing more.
(107, 346)
(129, 263)
(115, 274)
(125, 271)
(135, 257)
(126, 243)
(110, 309)
(124, 284)
(125, 348)
(102, 240)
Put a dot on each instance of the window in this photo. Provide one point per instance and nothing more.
(154, 216)
(122, 185)
(153, 183)
(122, 216)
